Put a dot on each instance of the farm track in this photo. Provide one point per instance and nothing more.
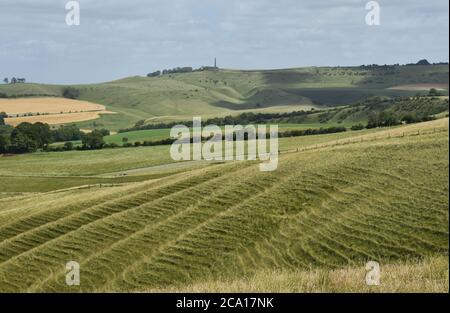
(327, 207)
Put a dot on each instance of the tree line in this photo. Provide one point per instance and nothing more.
(27, 137)
(169, 141)
(180, 70)
(241, 119)
(14, 80)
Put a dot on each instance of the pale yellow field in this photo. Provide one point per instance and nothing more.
(47, 105)
(54, 119)
(51, 110)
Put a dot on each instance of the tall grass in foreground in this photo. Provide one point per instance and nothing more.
(428, 275)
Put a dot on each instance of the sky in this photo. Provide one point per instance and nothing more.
(121, 38)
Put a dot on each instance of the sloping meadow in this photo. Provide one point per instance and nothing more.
(383, 200)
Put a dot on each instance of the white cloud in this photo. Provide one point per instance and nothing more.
(122, 38)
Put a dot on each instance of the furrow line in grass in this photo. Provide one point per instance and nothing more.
(140, 229)
(172, 243)
(84, 227)
(54, 213)
(78, 219)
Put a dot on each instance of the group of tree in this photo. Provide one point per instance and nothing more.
(434, 93)
(383, 119)
(14, 80)
(246, 135)
(420, 62)
(89, 141)
(179, 70)
(27, 137)
(24, 95)
(154, 74)
(425, 62)
(93, 140)
(24, 138)
(241, 119)
(175, 70)
(66, 133)
(70, 93)
(388, 118)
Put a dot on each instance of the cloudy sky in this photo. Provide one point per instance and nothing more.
(119, 38)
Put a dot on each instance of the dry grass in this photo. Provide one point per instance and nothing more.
(52, 111)
(427, 275)
(55, 119)
(47, 105)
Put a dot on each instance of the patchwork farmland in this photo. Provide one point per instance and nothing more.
(50, 110)
(137, 221)
(330, 206)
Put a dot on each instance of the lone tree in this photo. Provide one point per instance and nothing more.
(434, 92)
(423, 62)
(68, 146)
(3, 115)
(39, 133)
(70, 93)
(93, 140)
(6, 80)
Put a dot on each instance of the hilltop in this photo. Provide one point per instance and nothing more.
(219, 92)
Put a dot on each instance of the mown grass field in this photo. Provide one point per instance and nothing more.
(335, 202)
(47, 171)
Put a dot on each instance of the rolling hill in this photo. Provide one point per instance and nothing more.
(221, 92)
(136, 221)
(334, 203)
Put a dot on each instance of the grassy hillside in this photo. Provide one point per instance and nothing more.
(335, 203)
(44, 171)
(221, 92)
(360, 112)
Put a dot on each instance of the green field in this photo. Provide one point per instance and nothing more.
(24, 173)
(335, 202)
(222, 92)
(160, 134)
(137, 221)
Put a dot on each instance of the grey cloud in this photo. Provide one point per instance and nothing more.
(122, 38)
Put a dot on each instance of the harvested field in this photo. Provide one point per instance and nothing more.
(309, 226)
(47, 105)
(50, 110)
(54, 119)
